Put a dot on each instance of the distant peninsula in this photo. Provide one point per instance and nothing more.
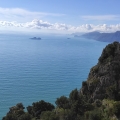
(36, 38)
(104, 37)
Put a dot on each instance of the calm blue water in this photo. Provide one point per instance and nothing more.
(32, 70)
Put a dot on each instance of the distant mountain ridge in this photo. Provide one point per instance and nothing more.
(105, 37)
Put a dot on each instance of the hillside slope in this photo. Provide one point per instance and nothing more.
(104, 78)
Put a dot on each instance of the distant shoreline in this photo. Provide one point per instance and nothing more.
(103, 37)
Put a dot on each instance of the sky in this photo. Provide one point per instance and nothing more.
(60, 16)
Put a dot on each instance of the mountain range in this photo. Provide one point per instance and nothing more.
(105, 37)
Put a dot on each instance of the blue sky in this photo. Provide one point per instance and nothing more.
(62, 16)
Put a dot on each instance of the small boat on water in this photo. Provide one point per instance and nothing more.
(36, 38)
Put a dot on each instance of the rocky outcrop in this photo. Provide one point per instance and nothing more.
(104, 78)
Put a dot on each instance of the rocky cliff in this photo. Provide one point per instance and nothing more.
(104, 78)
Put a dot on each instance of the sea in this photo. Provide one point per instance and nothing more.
(34, 70)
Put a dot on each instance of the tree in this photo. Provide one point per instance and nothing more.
(63, 102)
(38, 107)
(17, 113)
(74, 96)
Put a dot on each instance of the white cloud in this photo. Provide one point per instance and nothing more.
(17, 19)
(101, 17)
(44, 25)
(18, 14)
(38, 24)
(101, 28)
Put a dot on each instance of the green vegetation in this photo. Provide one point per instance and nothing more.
(75, 107)
(98, 99)
(108, 53)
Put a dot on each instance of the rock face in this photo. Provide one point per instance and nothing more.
(104, 78)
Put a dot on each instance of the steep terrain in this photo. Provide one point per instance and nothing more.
(104, 78)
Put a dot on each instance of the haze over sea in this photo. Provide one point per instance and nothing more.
(34, 70)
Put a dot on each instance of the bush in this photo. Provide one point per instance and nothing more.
(95, 115)
(62, 102)
(38, 107)
(48, 115)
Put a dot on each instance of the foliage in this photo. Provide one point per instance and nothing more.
(62, 102)
(38, 107)
(49, 115)
(17, 113)
(108, 53)
(95, 115)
